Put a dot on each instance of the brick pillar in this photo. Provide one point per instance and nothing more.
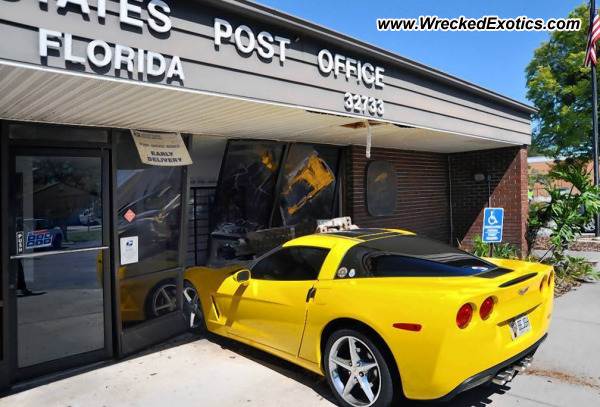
(508, 168)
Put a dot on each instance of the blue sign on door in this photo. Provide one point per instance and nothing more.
(38, 239)
(493, 222)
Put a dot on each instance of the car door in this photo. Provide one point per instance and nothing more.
(271, 309)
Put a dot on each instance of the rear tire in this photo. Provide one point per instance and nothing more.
(57, 243)
(356, 370)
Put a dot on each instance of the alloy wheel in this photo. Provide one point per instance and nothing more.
(192, 307)
(164, 300)
(354, 371)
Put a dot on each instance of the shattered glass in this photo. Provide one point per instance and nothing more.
(245, 196)
(308, 184)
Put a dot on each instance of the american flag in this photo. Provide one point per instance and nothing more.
(594, 35)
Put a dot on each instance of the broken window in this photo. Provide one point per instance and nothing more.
(263, 185)
(245, 195)
(308, 184)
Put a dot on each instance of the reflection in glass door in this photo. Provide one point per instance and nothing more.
(59, 220)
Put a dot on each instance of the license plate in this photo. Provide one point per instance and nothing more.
(519, 326)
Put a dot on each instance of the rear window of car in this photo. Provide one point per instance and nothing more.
(410, 256)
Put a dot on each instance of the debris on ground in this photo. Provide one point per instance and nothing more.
(563, 377)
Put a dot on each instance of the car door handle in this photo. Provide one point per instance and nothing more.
(311, 293)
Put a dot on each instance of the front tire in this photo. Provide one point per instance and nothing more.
(192, 309)
(356, 370)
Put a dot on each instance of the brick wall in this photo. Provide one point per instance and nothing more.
(422, 191)
(508, 170)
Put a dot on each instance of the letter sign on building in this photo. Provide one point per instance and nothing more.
(163, 149)
(208, 51)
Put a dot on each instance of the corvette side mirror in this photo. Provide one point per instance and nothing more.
(242, 277)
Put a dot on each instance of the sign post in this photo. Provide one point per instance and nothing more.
(493, 224)
(592, 40)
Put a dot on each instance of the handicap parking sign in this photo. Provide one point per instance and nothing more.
(493, 222)
(38, 239)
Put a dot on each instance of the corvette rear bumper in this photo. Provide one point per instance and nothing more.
(489, 374)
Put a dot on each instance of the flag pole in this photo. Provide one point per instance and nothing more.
(595, 116)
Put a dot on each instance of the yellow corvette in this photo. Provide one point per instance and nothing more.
(382, 314)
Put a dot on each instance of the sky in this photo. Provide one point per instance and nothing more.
(494, 60)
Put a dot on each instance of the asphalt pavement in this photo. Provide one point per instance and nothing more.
(216, 372)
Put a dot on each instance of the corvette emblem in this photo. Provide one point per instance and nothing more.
(523, 291)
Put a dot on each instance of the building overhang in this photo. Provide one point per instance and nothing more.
(33, 94)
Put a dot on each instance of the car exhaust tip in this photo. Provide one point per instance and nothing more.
(522, 365)
(509, 373)
(500, 379)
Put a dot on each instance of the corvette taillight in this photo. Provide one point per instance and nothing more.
(487, 306)
(464, 315)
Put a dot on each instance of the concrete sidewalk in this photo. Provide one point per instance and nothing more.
(217, 372)
(196, 373)
(593, 257)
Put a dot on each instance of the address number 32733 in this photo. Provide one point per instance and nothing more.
(363, 104)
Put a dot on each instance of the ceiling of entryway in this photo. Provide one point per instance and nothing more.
(54, 97)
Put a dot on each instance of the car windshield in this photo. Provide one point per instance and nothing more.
(412, 256)
(41, 224)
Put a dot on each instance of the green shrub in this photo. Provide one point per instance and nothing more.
(572, 268)
(539, 215)
(501, 251)
(566, 215)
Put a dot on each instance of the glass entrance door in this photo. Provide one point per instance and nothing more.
(59, 267)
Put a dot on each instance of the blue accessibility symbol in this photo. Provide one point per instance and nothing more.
(493, 217)
(493, 224)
